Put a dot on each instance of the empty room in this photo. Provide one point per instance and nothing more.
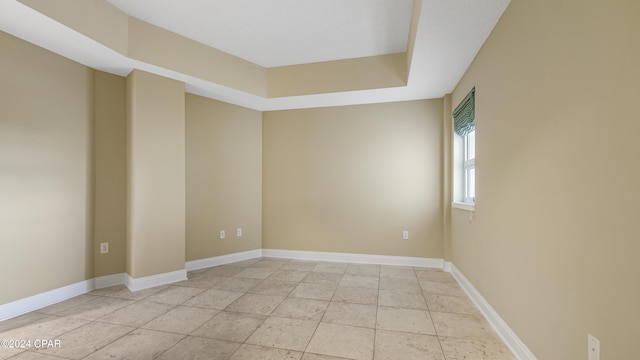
(297, 179)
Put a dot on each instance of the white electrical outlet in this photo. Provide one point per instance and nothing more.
(104, 248)
(222, 234)
(405, 235)
(239, 232)
(594, 347)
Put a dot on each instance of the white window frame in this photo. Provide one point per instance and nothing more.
(469, 167)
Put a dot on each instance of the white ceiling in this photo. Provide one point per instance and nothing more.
(274, 33)
(449, 35)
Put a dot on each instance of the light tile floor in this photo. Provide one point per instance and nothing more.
(268, 309)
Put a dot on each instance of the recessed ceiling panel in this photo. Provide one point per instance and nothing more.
(274, 33)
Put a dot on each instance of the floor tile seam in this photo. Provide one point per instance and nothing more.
(363, 287)
(40, 311)
(112, 341)
(170, 347)
(444, 355)
(309, 298)
(427, 289)
(39, 351)
(455, 312)
(235, 351)
(206, 338)
(231, 291)
(409, 291)
(2, 333)
(246, 312)
(431, 293)
(407, 332)
(403, 307)
(289, 293)
(354, 326)
(241, 313)
(173, 308)
(203, 336)
(435, 329)
(320, 283)
(198, 307)
(253, 332)
(375, 334)
(117, 297)
(425, 303)
(495, 337)
(479, 315)
(332, 356)
(194, 287)
(358, 287)
(333, 295)
(402, 290)
(314, 334)
(102, 321)
(491, 333)
(398, 277)
(243, 342)
(133, 303)
(454, 296)
(451, 281)
(257, 293)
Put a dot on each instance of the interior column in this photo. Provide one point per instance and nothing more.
(156, 180)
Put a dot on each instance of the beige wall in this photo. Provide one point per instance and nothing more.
(45, 170)
(156, 175)
(97, 19)
(110, 173)
(351, 179)
(554, 245)
(341, 75)
(224, 178)
(169, 50)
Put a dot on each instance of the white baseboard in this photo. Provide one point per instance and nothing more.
(155, 280)
(519, 349)
(447, 266)
(35, 302)
(221, 260)
(354, 258)
(110, 280)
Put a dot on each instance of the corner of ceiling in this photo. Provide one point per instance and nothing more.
(100, 36)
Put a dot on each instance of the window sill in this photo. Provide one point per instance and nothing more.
(464, 206)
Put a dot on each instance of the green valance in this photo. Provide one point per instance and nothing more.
(464, 116)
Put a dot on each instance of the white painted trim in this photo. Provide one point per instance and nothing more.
(221, 260)
(447, 266)
(155, 280)
(110, 280)
(354, 258)
(519, 349)
(35, 302)
(463, 206)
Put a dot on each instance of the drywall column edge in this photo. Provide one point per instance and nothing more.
(447, 175)
(156, 175)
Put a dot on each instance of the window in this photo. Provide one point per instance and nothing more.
(464, 122)
(470, 167)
